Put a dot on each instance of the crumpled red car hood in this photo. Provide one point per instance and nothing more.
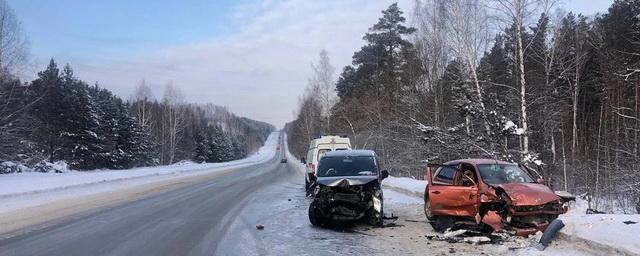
(528, 194)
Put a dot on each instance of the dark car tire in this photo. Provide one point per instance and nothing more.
(433, 220)
(374, 218)
(314, 215)
(442, 223)
(427, 210)
(306, 186)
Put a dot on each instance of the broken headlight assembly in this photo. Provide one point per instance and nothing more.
(377, 204)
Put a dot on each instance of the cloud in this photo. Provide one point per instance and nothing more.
(257, 71)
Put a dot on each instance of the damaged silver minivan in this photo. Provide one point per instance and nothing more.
(347, 187)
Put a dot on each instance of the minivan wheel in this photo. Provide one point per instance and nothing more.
(314, 215)
(306, 186)
(375, 218)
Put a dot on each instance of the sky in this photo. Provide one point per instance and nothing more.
(253, 56)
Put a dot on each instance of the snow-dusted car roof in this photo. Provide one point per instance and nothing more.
(358, 152)
(477, 161)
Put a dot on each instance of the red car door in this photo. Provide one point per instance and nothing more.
(447, 198)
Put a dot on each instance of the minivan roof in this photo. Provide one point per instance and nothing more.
(330, 140)
(477, 161)
(357, 152)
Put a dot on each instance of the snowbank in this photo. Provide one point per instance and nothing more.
(294, 161)
(406, 185)
(603, 232)
(33, 182)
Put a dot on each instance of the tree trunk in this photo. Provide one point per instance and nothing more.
(597, 193)
(523, 87)
(564, 162)
(574, 134)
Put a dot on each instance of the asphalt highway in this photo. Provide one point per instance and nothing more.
(187, 221)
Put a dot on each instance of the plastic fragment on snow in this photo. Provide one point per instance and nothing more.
(454, 233)
(477, 240)
(260, 227)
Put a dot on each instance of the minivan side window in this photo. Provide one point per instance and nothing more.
(445, 174)
(310, 156)
(322, 152)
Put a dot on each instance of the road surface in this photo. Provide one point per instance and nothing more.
(217, 216)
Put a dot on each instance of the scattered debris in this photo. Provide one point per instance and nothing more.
(462, 235)
(289, 199)
(393, 217)
(449, 233)
(477, 240)
(629, 222)
(593, 211)
(511, 241)
(391, 225)
(260, 227)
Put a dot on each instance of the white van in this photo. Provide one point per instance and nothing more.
(320, 146)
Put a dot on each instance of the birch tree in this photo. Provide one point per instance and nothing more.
(142, 98)
(430, 18)
(173, 121)
(13, 44)
(469, 34)
(516, 13)
(13, 55)
(323, 80)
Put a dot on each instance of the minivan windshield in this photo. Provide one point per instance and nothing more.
(503, 173)
(347, 166)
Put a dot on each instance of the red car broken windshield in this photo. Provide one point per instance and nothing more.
(503, 173)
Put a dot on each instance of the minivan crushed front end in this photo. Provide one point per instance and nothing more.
(346, 198)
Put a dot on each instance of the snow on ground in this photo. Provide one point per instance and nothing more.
(602, 230)
(605, 230)
(406, 185)
(295, 162)
(398, 198)
(33, 182)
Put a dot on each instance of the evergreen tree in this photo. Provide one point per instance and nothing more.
(49, 111)
(381, 63)
(134, 142)
(202, 150)
(81, 142)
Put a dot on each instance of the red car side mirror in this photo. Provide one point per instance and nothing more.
(540, 181)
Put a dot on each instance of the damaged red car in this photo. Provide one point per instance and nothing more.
(489, 195)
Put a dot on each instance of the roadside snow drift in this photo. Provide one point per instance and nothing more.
(406, 185)
(619, 231)
(33, 182)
